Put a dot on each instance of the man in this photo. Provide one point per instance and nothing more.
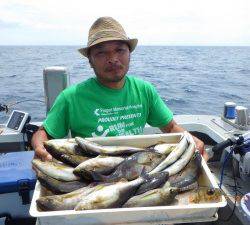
(110, 104)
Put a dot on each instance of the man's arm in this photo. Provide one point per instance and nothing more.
(37, 143)
(173, 127)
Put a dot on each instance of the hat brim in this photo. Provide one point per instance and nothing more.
(131, 42)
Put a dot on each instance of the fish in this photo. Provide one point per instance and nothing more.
(56, 160)
(204, 195)
(73, 160)
(156, 197)
(174, 155)
(164, 148)
(68, 158)
(200, 195)
(102, 165)
(189, 187)
(182, 161)
(55, 170)
(66, 201)
(131, 167)
(59, 187)
(110, 196)
(189, 174)
(66, 146)
(156, 180)
(96, 149)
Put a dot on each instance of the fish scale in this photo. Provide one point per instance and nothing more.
(55, 170)
(174, 155)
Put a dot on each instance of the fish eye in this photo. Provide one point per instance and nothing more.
(172, 191)
(210, 191)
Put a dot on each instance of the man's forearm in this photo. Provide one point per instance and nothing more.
(173, 127)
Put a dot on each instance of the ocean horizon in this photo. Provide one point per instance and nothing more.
(190, 79)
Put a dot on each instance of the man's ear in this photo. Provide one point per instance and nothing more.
(90, 63)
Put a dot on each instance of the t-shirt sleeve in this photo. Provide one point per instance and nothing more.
(159, 114)
(56, 123)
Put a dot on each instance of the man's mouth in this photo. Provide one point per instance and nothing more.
(113, 68)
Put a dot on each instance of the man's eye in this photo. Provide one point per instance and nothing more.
(100, 53)
(121, 50)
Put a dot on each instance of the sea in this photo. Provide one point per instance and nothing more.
(190, 79)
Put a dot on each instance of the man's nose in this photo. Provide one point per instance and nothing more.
(113, 58)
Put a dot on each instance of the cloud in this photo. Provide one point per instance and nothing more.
(8, 25)
(153, 22)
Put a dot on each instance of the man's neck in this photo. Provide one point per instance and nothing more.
(113, 85)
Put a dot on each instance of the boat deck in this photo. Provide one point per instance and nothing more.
(217, 130)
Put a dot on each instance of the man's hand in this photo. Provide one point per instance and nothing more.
(41, 153)
(200, 146)
(173, 127)
(37, 143)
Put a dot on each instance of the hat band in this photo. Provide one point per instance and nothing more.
(106, 34)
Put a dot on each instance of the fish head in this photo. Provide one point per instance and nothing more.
(168, 194)
(174, 191)
(148, 157)
(47, 203)
(213, 194)
(194, 165)
(206, 194)
(213, 191)
(54, 143)
(36, 163)
(52, 147)
(49, 143)
(195, 162)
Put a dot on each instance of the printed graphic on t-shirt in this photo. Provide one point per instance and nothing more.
(118, 120)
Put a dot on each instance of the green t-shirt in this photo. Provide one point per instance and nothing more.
(90, 109)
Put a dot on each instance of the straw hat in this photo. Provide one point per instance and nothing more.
(107, 29)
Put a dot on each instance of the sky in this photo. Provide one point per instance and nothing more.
(154, 22)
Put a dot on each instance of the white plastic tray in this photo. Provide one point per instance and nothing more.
(140, 215)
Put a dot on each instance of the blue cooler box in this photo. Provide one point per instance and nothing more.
(17, 182)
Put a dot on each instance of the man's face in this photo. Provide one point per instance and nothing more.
(110, 61)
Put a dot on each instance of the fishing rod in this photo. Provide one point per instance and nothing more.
(3, 108)
(6, 107)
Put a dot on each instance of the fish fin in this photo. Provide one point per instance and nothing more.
(144, 174)
(96, 176)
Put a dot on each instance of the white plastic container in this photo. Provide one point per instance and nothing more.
(140, 215)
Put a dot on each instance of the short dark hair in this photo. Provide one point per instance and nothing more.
(122, 41)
